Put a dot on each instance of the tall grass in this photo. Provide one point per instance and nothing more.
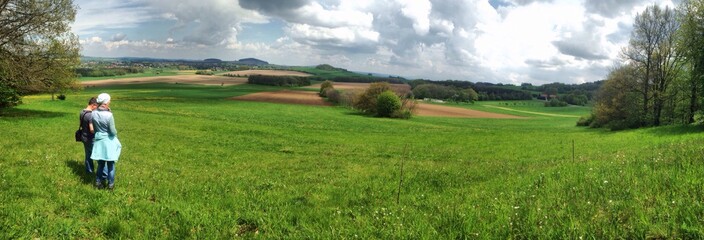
(196, 165)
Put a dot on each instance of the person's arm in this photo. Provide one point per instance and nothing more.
(89, 119)
(113, 130)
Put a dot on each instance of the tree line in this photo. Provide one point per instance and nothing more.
(661, 76)
(290, 81)
(107, 72)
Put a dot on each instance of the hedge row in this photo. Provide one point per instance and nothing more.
(290, 81)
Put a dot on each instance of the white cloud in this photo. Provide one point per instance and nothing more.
(95, 17)
(418, 11)
(534, 41)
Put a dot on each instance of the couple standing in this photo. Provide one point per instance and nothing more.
(99, 138)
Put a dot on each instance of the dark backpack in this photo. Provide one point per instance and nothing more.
(79, 132)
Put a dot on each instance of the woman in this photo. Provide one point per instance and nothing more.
(106, 146)
(87, 132)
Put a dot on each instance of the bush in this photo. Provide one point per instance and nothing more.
(332, 95)
(324, 87)
(289, 81)
(204, 72)
(61, 97)
(555, 103)
(366, 102)
(348, 98)
(387, 103)
(698, 118)
(585, 121)
(8, 96)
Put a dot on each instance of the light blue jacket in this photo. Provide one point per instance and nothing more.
(106, 146)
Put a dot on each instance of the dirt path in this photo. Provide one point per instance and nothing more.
(286, 96)
(245, 73)
(183, 79)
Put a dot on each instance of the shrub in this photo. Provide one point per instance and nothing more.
(347, 98)
(8, 96)
(585, 121)
(555, 103)
(323, 88)
(387, 103)
(366, 102)
(698, 118)
(204, 72)
(332, 95)
(61, 97)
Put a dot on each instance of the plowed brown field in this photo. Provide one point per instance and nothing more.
(286, 96)
(189, 79)
(434, 110)
(312, 98)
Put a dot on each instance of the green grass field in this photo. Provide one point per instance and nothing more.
(198, 166)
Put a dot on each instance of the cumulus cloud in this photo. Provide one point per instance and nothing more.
(206, 22)
(611, 8)
(497, 40)
(118, 37)
(274, 7)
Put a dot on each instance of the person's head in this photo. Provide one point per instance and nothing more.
(93, 103)
(103, 99)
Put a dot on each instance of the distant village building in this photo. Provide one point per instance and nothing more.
(546, 97)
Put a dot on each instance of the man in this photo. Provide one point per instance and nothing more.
(87, 132)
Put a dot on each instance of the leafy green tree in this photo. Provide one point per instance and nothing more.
(615, 100)
(472, 95)
(691, 46)
(38, 53)
(653, 49)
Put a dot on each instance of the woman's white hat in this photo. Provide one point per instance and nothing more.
(103, 98)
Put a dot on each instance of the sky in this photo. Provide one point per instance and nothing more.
(498, 41)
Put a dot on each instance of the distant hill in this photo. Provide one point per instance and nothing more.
(252, 61)
(212, 60)
(329, 67)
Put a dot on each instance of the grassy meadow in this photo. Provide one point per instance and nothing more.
(198, 166)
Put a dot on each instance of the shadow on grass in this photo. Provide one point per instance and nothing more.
(78, 169)
(25, 113)
(676, 130)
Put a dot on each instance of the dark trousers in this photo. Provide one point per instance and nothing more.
(88, 149)
(105, 171)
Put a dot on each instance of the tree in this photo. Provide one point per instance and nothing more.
(472, 95)
(652, 49)
(691, 46)
(37, 50)
(613, 107)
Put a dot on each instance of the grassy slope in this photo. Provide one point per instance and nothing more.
(197, 166)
